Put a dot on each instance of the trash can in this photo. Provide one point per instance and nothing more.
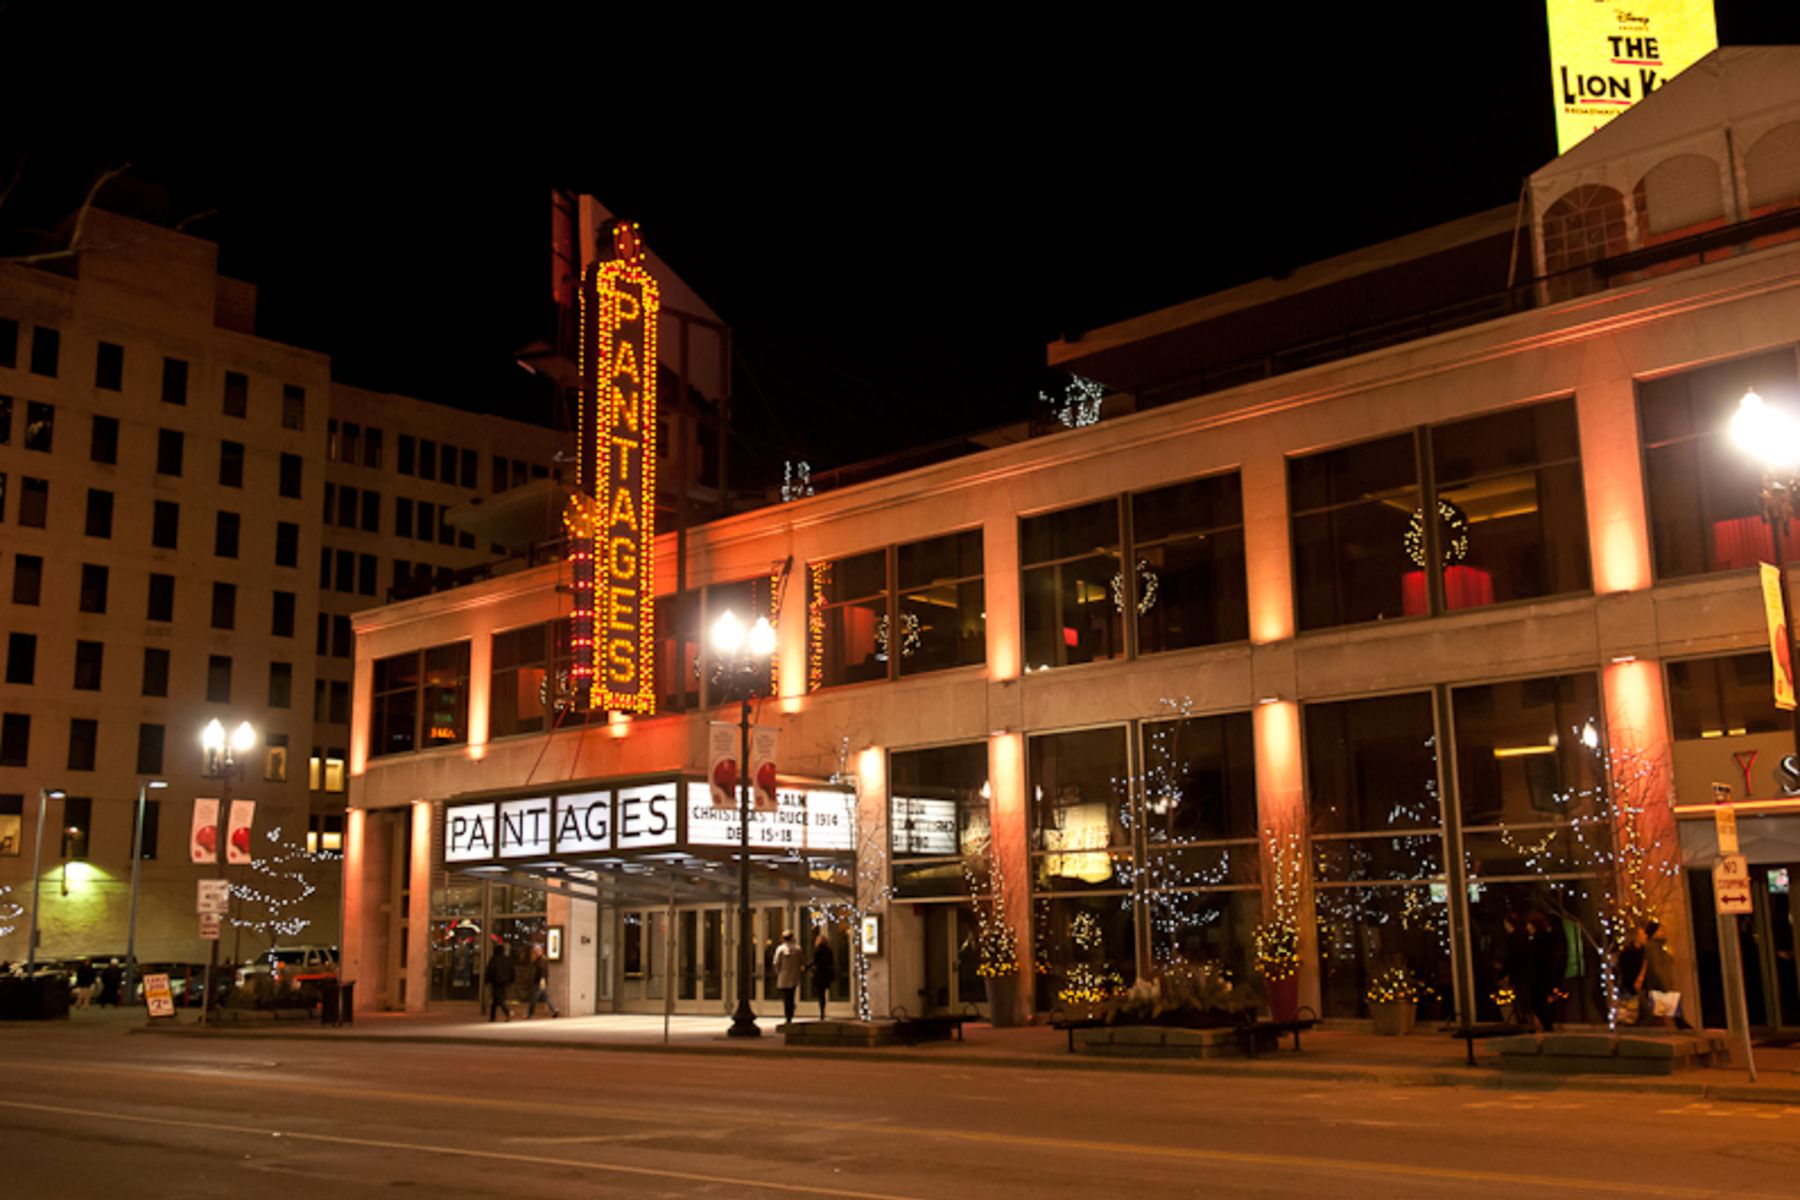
(337, 1003)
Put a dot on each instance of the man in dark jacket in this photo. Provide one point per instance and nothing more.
(499, 978)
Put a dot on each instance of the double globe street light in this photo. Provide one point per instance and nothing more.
(739, 659)
(223, 760)
(1770, 436)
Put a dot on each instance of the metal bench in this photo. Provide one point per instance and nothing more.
(1250, 1036)
(1486, 1029)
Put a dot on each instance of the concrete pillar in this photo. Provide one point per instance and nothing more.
(368, 856)
(1011, 854)
(1613, 476)
(873, 873)
(1643, 783)
(1281, 815)
(418, 909)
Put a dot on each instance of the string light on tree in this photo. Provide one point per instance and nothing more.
(10, 911)
(1079, 404)
(284, 884)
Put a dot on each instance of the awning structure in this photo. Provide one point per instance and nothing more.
(653, 841)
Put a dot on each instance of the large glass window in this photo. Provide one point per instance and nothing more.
(421, 700)
(532, 685)
(1723, 697)
(1537, 841)
(1197, 806)
(939, 821)
(847, 619)
(861, 627)
(1510, 520)
(1512, 517)
(1082, 862)
(1185, 588)
(1702, 490)
(942, 610)
(1377, 849)
(1069, 560)
(1188, 553)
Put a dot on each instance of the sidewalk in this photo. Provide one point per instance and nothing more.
(1426, 1058)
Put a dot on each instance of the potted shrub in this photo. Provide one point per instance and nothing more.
(1393, 998)
(1278, 962)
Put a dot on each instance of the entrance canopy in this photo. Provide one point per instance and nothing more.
(653, 840)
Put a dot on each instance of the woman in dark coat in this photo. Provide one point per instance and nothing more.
(824, 970)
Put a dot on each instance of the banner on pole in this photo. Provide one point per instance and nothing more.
(764, 749)
(722, 764)
(237, 842)
(203, 841)
(1780, 646)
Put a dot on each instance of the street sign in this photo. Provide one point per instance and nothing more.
(1731, 885)
(214, 897)
(1725, 823)
(158, 999)
(209, 926)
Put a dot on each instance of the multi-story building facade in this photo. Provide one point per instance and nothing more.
(163, 562)
(1415, 602)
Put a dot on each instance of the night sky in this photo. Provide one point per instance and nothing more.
(894, 222)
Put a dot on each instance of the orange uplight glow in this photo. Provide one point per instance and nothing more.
(611, 518)
(1280, 783)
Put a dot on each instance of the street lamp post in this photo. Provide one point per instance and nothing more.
(224, 761)
(137, 859)
(37, 871)
(740, 659)
(1772, 438)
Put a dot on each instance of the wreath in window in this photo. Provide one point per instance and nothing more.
(1147, 581)
(1456, 535)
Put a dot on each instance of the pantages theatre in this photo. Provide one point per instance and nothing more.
(1408, 597)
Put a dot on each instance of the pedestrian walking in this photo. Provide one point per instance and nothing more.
(824, 970)
(540, 984)
(1519, 976)
(789, 962)
(499, 978)
(85, 978)
(112, 976)
(1548, 960)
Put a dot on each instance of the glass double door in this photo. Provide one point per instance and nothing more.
(952, 954)
(1769, 942)
(686, 958)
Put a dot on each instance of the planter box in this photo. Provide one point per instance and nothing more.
(1393, 1018)
(1153, 1041)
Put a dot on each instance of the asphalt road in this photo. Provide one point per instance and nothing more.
(91, 1112)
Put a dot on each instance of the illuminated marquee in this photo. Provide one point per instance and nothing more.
(1606, 57)
(611, 519)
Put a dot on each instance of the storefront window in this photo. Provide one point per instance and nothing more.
(456, 917)
(1069, 560)
(1377, 849)
(1188, 552)
(1081, 848)
(940, 818)
(1702, 491)
(1199, 882)
(1084, 950)
(1537, 842)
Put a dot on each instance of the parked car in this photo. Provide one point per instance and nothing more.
(292, 966)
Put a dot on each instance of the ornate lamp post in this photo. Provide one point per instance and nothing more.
(1771, 437)
(137, 858)
(222, 760)
(739, 660)
(45, 795)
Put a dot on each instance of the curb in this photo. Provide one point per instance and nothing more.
(911, 1057)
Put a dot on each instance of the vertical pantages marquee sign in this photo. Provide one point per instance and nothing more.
(611, 518)
(1606, 55)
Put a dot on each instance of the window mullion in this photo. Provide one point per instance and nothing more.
(1432, 539)
(1128, 579)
